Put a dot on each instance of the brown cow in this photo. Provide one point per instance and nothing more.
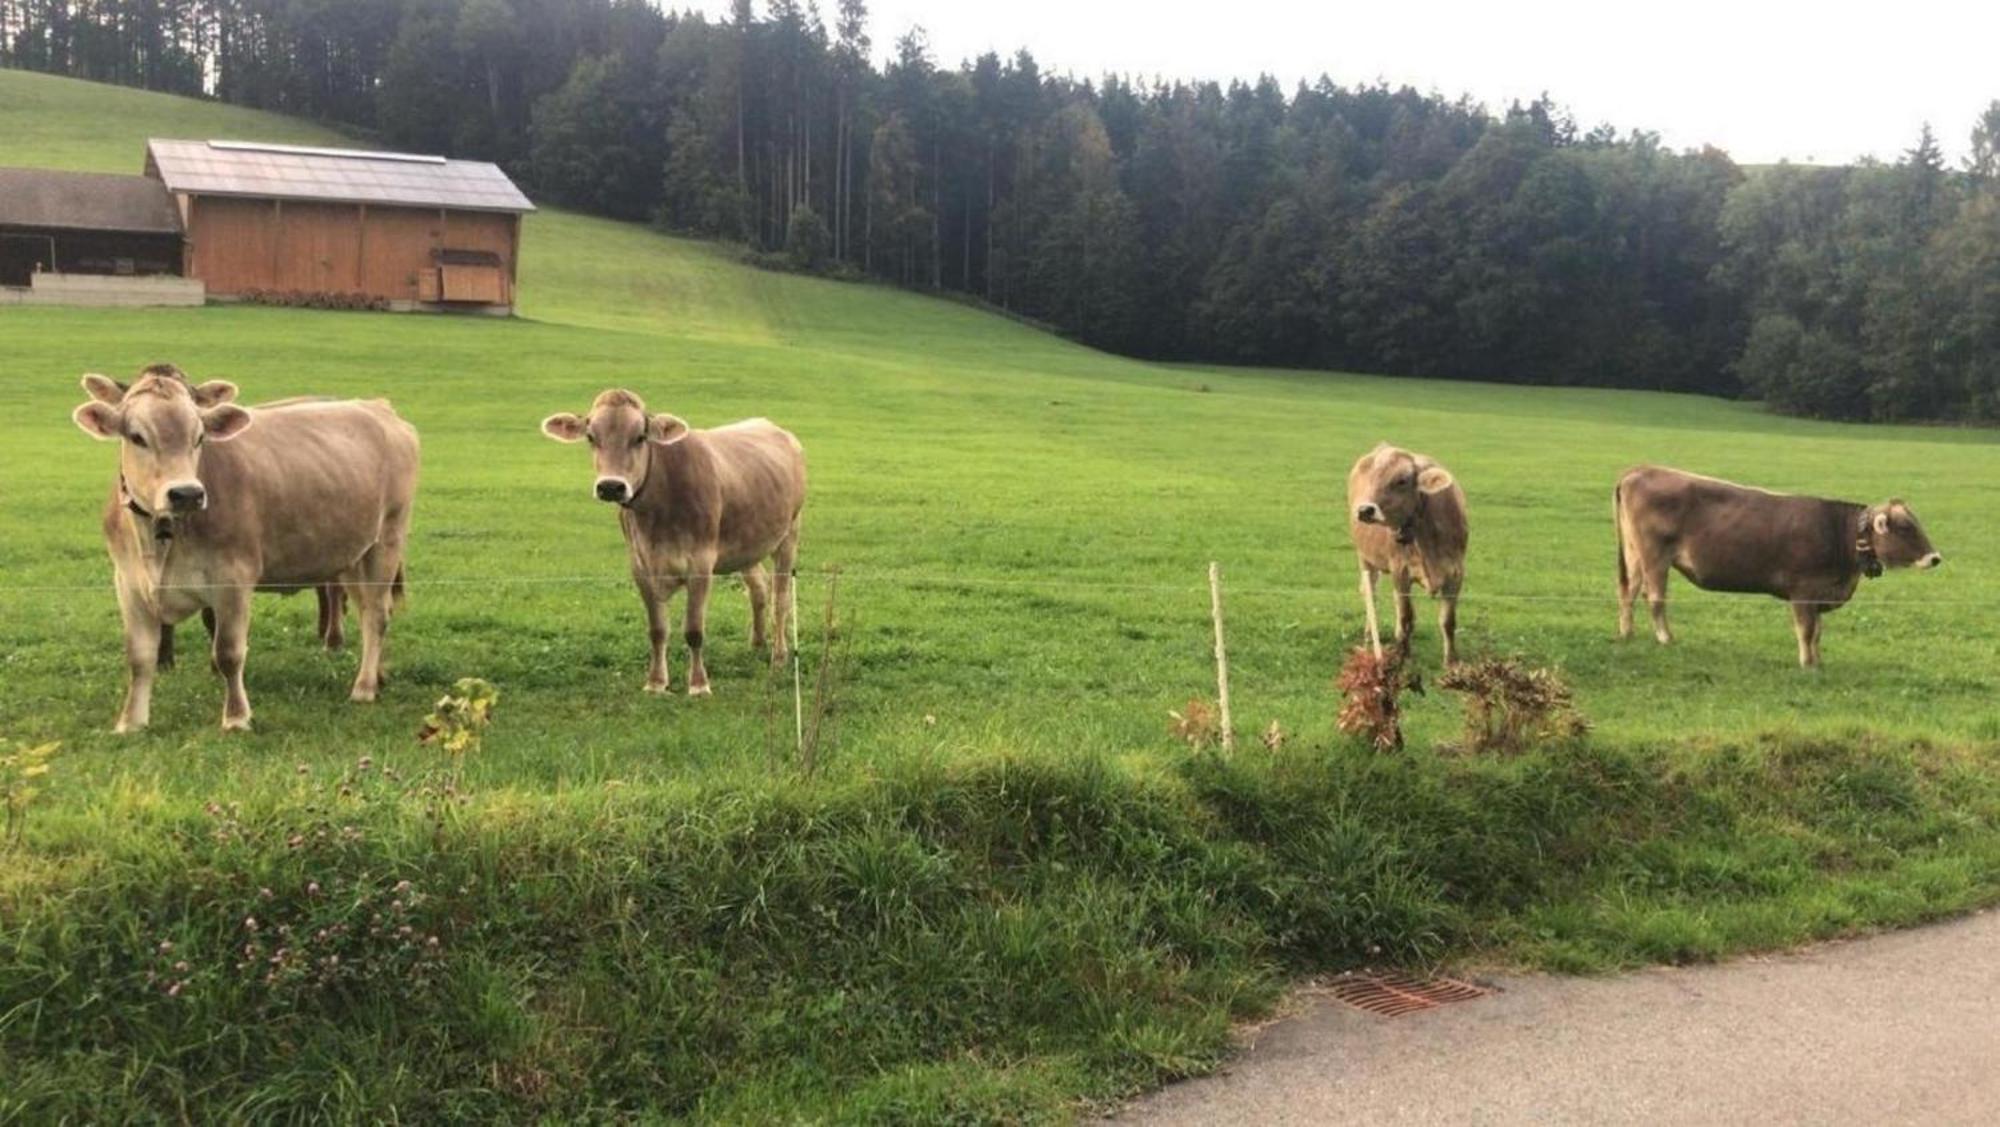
(695, 504)
(210, 505)
(1407, 517)
(1810, 552)
(332, 600)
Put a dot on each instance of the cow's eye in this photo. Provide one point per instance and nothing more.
(138, 439)
(590, 438)
(638, 441)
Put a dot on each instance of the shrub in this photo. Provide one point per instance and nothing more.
(1370, 688)
(807, 240)
(1509, 706)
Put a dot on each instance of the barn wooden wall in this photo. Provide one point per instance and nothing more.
(245, 244)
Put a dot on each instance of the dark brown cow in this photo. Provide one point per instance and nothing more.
(1810, 552)
(695, 504)
(332, 600)
(210, 505)
(1407, 517)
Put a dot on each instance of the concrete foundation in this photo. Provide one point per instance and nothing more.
(106, 290)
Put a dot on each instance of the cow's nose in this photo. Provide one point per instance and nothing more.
(183, 498)
(1935, 559)
(611, 489)
(1368, 513)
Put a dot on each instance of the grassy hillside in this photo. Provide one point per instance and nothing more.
(640, 903)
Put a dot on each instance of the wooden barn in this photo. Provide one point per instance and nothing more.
(338, 226)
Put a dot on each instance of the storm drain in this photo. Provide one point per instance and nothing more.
(1393, 993)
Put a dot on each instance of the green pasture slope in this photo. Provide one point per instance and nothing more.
(1006, 889)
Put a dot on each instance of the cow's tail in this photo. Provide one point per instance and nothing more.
(1618, 528)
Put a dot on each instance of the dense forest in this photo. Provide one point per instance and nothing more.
(1361, 227)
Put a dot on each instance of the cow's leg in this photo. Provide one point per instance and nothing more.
(697, 620)
(1805, 623)
(1406, 611)
(1369, 577)
(757, 581)
(332, 615)
(142, 656)
(784, 587)
(1628, 593)
(655, 593)
(1448, 622)
(229, 650)
(373, 582)
(1655, 573)
(166, 658)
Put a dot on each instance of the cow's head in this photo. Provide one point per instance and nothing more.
(622, 437)
(1389, 485)
(1897, 539)
(160, 428)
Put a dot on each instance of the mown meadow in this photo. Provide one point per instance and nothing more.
(1001, 886)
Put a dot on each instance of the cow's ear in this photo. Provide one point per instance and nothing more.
(104, 389)
(225, 422)
(98, 420)
(1881, 523)
(666, 429)
(214, 393)
(1434, 479)
(563, 428)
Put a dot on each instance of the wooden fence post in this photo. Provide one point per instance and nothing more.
(1221, 655)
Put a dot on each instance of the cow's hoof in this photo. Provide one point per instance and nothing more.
(124, 729)
(236, 724)
(658, 687)
(362, 696)
(700, 691)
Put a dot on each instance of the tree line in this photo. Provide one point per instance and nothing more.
(1362, 227)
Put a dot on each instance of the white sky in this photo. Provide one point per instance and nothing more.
(1765, 79)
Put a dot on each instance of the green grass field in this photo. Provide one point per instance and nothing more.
(1022, 528)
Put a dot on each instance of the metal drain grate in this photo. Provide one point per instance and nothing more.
(1393, 994)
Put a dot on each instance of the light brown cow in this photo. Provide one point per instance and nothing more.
(213, 504)
(331, 628)
(695, 504)
(1407, 516)
(1810, 552)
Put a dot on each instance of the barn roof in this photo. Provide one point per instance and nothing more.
(241, 168)
(85, 201)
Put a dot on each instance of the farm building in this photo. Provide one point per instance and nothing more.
(67, 235)
(244, 221)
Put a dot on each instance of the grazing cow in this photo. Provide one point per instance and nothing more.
(212, 504)
(695, 504)
(1407, 517)
(1812, 553)
(332, 600)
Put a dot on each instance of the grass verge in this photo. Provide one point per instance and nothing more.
(995, 938)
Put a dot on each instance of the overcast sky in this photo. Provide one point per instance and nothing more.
(1764, 79)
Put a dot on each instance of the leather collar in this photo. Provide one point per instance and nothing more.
(1864, 546)
(163, 527)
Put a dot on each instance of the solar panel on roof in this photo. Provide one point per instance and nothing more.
(307, 150)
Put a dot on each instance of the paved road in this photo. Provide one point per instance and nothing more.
(1901, 1028)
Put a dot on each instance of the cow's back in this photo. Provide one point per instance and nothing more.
(308, 487)
(732, 493)
(1730, 537)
